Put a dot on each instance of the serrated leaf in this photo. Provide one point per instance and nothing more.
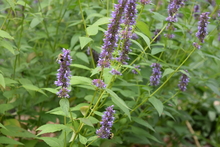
(80, 66)
(80, 80)
(15, 131)
(5, 107)
(33, 88)
(84, 41)
(143, 122)
(2, 81)
(101, 21)
(92, 30)
(6, 140)
(4, 34)
(82, 56)
(86, 121)
(138, 44)
(51, 90)
(96, 71)
(82, 139)
(146, 39)
(157, 50)
(119, 102)
(7, 45)
(158, 105)
(49, 128)
(36, 21)
(167, 71)
(52, 141)
(92, 138)
(20, 2)
(158, 16)
(144, 28)
(64, 104)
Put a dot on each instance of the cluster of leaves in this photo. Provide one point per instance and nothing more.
(32, 34)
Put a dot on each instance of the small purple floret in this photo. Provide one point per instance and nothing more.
(184, 80)
(115, 72)
(156, 75)
(137, 67)
(145, 2)
(106, 123)
(98, 83)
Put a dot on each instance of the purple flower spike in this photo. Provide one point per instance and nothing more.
(202, 28)
(137, 67)
(63, 75)
(98, 83)
(184, 80)
(156, 75)
(115, 72)
(173, 8)
(196, 11)
(126, 35)
(111, 35)
(106, 123)
(145, 2)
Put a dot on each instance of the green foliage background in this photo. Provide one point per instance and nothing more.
(32, 34)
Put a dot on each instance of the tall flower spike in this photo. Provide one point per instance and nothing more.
(173, 8)
(156, 75)
(111, 35)
(184, 80)
(106, 123)
(129, 21)
(196, 11)
(63, 75)
(202, 28)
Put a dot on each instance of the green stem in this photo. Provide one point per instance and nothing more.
(84, 22)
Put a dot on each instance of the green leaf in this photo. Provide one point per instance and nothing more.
(4, 34)
(20, 2)
(146, 39)
(15, 131)
(82, 139)
(157, 50)
(52, 141)
(213, 87)
(84, 41)
(2, 81)
(92, 30)
(64, 104)
(5, 107)
(95, 71)
(102, 21)
(158, 105)
(6, 140)
(80, 66)
(144, 28)
(119, 102)
(54, 91)
(12, 4)
(86, 121)
(138, 44)
(59, 111)
(7, 45)
(33, 88)
(74, 40)
(75, 80)
(82, 56)
(2, 126)
(143, 122)
(36, 21)
(158, 16)
(49, 128)
(167, 71)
